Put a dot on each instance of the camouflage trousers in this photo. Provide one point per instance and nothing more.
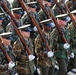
(4, 72)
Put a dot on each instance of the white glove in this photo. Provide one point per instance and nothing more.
(11, 65)
(50, 54)
(66, 46)
(31, 57)
(72, 55)
(35, 28)
(57, 67)
(38, 70)
(16, 74)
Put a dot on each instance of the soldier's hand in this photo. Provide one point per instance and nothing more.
(31, 57)
(50, 54)
(72, 55)
(66, 46)
(11, 65)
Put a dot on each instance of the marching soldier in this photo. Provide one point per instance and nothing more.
(5, 20)
(44, 62)
(17, 12)
(25, 65)
(46, 4)
(5, 67)
(72, 29)
(1, 20)
(31, 6)
(56, 9)
(60, 48)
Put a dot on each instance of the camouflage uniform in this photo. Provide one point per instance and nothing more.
(56, 10)
(60, 52)
(43, 16)
(24, 66)
(10, 27)
(6, 20)
(26, 20)
(4, 68)
(43, 62)
(72, 62)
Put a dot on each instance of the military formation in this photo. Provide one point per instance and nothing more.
(37, 37)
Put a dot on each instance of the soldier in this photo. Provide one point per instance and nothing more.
(31, 6)
(56, 8)
(17, 14)
(69, 3)
(25, 65)
(46, 4)
(5, 67)
(1, 20)
(72, 62)
(5, 20)
(44, 62)
(60, 48)
(15, 4)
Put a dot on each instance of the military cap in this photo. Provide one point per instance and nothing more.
(48, 22)
(73, 12)
(6, 35)
(17, 10)
(25, 28)
(32, 4)
(49, 0)
(1, 16)
(62, 16)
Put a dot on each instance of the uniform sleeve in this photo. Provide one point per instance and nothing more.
(38, 45)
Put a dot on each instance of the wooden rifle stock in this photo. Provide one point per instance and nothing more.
(15, 24)
(35, 23)
(59, 7)
(71, 16)
(5, 53)
(54, 19)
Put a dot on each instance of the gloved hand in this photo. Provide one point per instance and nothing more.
(11, 65)
(31, 57)
(35, 28)
(66, 46)
(72, 55)
(16, 73)
(38, 70)
(50, 54)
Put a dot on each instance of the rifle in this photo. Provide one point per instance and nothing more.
(59, 7)
(70, 14)
(35, 24)
(54, 19)
(5, 53)
(15, 24)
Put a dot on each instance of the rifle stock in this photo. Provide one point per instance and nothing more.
(35, 23)
(15, 24)
(5, 53)
(54, 19)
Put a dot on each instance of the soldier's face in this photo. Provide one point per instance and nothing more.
(74, 17)
(61, 22)
(6, 41)
(48, 3)
(0, 22)
(47, 28)
(32, 9)
(18, 16)
(25, 34)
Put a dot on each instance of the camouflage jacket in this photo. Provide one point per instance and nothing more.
(58, 43)
(41, 50)
(72, 31)
(24, 66)
(4, 63)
